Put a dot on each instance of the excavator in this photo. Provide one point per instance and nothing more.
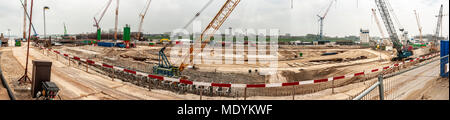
(164, 66)
(403, 52)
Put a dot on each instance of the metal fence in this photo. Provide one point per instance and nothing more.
(387, 86)
(368, 81)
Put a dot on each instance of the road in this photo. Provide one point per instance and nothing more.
(3, 90)
(412, 84)
(78, 84)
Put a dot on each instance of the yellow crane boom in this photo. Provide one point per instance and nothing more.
(142, 15)
(418, 25)
(209, 31)
(378, 22)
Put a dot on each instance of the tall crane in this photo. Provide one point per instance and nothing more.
(389, 24)
(142, 15)
(204, 39)
(378, 24)
(418, 25)
(25, 20)
(65, 30)
(116, 20)
(438, 29)
(212, 27)
(439, 23)
(97, 21)
(198, 14)
(321, 18)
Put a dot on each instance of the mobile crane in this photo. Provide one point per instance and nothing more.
(402, 52)
(97, 21)
(434, 47)
(142, 15)
(165, 68)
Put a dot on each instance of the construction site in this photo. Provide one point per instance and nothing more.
(124, 64)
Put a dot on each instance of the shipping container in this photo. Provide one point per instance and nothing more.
(105, 44)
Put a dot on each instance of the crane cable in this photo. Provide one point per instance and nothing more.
(198, 13)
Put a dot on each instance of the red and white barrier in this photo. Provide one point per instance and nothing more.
(162, 78)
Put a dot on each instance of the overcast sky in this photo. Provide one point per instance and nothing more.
(346, 17)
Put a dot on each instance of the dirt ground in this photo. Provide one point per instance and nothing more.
(438, 91)
(143, 58)
(74, 82)
(79, 84)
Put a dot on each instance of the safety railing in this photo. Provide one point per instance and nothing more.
(392, 84)
(138, 74)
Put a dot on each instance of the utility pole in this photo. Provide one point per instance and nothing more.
(321, 18)
(117, 20)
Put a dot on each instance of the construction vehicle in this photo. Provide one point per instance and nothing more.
(49, 91)
(321, 18)
(402, 52)
(67, 36)
(434, 45)
(18, 43)
(213, 26)
(165, 68)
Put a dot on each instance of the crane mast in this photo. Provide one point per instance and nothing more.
(389, 24)
(116, 20)
(321, 18)
(439, 24)
(142, 15)
(65, 30)
(209, 31)
(418, 25)
(378, 23)
(25, 20)
(97, 22)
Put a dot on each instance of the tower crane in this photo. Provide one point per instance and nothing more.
(418, 25)
(402, 53)
(321, 18)
(97, 21)
(167, 69)
(142, 15)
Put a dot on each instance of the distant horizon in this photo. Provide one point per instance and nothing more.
(345, 17)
